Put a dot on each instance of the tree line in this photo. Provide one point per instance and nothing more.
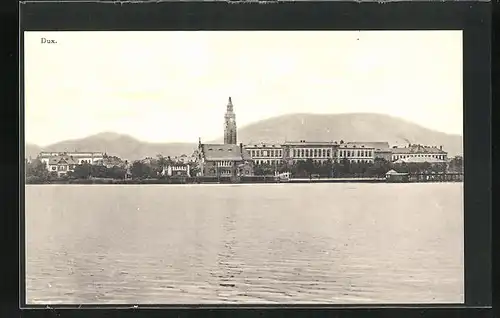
(346, 169)
(149, 168)
(152, 168)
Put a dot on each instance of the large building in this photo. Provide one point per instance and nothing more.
(224, 160)
(317, 151)
(265, 153)
(231, 159)
(356, 152)
(419, 153)
(61, 164)
(227, 159)
(80, 157)
(360, 151)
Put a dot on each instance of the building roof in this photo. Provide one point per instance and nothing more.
(419, 160)
(310, 143)
(262, 145)
(220, 152)
(418, 149)
(74, 154)
(393, 172)
(378, 145)
(61, 160)
(357, 145)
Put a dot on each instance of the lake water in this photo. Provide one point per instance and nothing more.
(272, 243)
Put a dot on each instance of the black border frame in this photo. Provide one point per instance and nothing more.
(474, 18)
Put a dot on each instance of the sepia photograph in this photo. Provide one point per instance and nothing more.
(243, 167)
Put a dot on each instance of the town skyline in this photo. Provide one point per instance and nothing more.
(173, 86)
(220, 136)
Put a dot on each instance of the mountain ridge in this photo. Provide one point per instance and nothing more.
(290, 127)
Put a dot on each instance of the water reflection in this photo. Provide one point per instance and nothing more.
(275, 243)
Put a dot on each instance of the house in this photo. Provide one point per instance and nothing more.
(224, 160)
(80, 157)
(61, 164)
(184, 159)
(424, 153)
(394, 176)
(112, 161)
(177, 170)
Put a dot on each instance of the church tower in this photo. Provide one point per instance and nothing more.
(230, 124)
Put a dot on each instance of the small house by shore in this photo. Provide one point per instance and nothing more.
(394, 176)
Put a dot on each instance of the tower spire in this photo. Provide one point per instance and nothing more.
(230, 105)
(230, 124)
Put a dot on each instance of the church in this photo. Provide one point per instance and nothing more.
(229, 159)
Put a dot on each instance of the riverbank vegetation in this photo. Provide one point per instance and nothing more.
(152, 170)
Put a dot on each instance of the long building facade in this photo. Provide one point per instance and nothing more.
(64, 162)
(317, 151)
(233, 159)
(419, 153)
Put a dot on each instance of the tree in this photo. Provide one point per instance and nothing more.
(82, 171)
(194, 170)
(98, 171)
(35, 171)
(379, 168)
(116, 172)
(162, 162)
(456, 164)
(344, 168)
(263, 169)
(36, 168)
(155, 168)
(140, 170)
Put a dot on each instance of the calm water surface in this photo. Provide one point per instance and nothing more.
(275, 243)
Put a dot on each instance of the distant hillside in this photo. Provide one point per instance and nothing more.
(347, 127)
(31, 150)
(123, 146)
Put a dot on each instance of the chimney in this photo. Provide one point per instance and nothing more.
(440, 147)
(241, 147)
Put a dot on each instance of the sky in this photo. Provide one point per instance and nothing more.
(173, 86)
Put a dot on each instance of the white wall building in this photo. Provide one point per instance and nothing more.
(317, 151)
(356, 152)
(419, 152)
(265, 153)
(80, 157)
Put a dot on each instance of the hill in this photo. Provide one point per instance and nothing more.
(123, 146)
(31, 150)
(294, 127)
(347, 127)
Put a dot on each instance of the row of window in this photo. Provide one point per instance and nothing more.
(442, 157)
(224, 163)
(62, 168)
(311, 153)
(277, 153)
(178, 168)
(259, 162)
(355, 153)
(361, 160)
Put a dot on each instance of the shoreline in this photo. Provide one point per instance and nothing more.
(205, 182)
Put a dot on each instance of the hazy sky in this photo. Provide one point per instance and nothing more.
(174, 86)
